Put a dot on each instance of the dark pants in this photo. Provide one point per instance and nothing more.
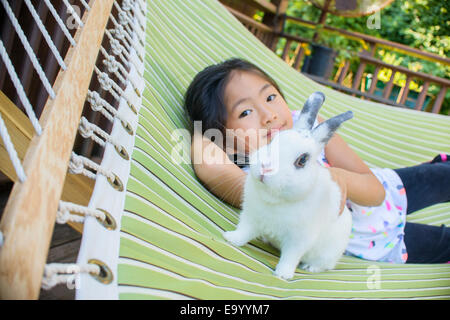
(426, 184)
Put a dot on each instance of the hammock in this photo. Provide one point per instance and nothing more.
(167, 239)
(171, 243)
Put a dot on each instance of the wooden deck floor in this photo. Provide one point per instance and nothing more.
(63, 249)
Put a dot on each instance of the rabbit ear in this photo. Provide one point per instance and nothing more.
(310, 111)
(324, 131)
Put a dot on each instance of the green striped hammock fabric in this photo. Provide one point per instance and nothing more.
(171, 244)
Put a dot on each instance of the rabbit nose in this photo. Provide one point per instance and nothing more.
(265, 168)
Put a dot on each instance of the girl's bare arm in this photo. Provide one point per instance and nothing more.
(340, 155)
(351, 173)
(217, 172)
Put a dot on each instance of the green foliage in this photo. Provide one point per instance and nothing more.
(421, 24)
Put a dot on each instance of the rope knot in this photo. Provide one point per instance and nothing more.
(116, 46)
(123, 18)
(119, 32)
(62, 216)
(76, 165)
(95, 100)
(85, 128)
(111, 63)
(105, 81)
(126, 5)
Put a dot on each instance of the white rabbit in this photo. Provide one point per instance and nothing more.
(291, 201)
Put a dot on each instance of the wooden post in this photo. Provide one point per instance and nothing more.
(343, 72)
(358, 76)
(373, 85)
(275, 21)
(405, 90)
(299, 57)
(30, 213)
(390, 84)
(440, 98)
(422, 96)
(322, 19)
(286, 48)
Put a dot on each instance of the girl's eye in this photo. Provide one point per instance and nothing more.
(245, 113)
(271, 97)
(301, 161)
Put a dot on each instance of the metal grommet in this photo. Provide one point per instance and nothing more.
(127, 127)
(116, 183)
(109, 222)
(132, 107)
(105, 276)
(122, 152)
(137, 92)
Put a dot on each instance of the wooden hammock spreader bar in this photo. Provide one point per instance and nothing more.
(77, 188)
(29, 216)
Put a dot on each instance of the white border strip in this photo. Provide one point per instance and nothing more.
(98, 242)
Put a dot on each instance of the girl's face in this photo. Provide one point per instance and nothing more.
(256, 111)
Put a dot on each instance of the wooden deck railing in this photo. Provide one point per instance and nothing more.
(293, 52)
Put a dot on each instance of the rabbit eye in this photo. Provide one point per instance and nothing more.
(301, 161)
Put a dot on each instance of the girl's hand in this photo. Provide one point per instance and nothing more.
(361, 188)
(342, 186)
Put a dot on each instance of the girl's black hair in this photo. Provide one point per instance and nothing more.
(204, 99)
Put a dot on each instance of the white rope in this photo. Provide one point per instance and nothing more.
(125, 19)
(114, 66)
(59, 273)
(12, 151)
(28, 49)
(140, 16)
(132, 14)
(65, 208)
(19, 88)
(109, 85)
(61, 24)
(118, 49)
(78, 163)
(127, 6)
(120, 33)
(73, 13)
(46, 35)
(140, 7)
(90, 130)
(84, 3)
(102, 106)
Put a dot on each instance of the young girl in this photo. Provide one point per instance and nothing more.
(246, 106)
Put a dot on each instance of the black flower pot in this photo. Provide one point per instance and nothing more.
(321, 61)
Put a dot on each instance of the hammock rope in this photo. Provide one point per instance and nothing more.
(126, 44)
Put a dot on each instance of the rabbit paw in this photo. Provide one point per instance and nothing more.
(311, 268)
(235, 237)
(284, 272)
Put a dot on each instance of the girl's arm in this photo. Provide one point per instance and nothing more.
(354, 177)
(361, 188)
(340, 155)
(217, 172)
